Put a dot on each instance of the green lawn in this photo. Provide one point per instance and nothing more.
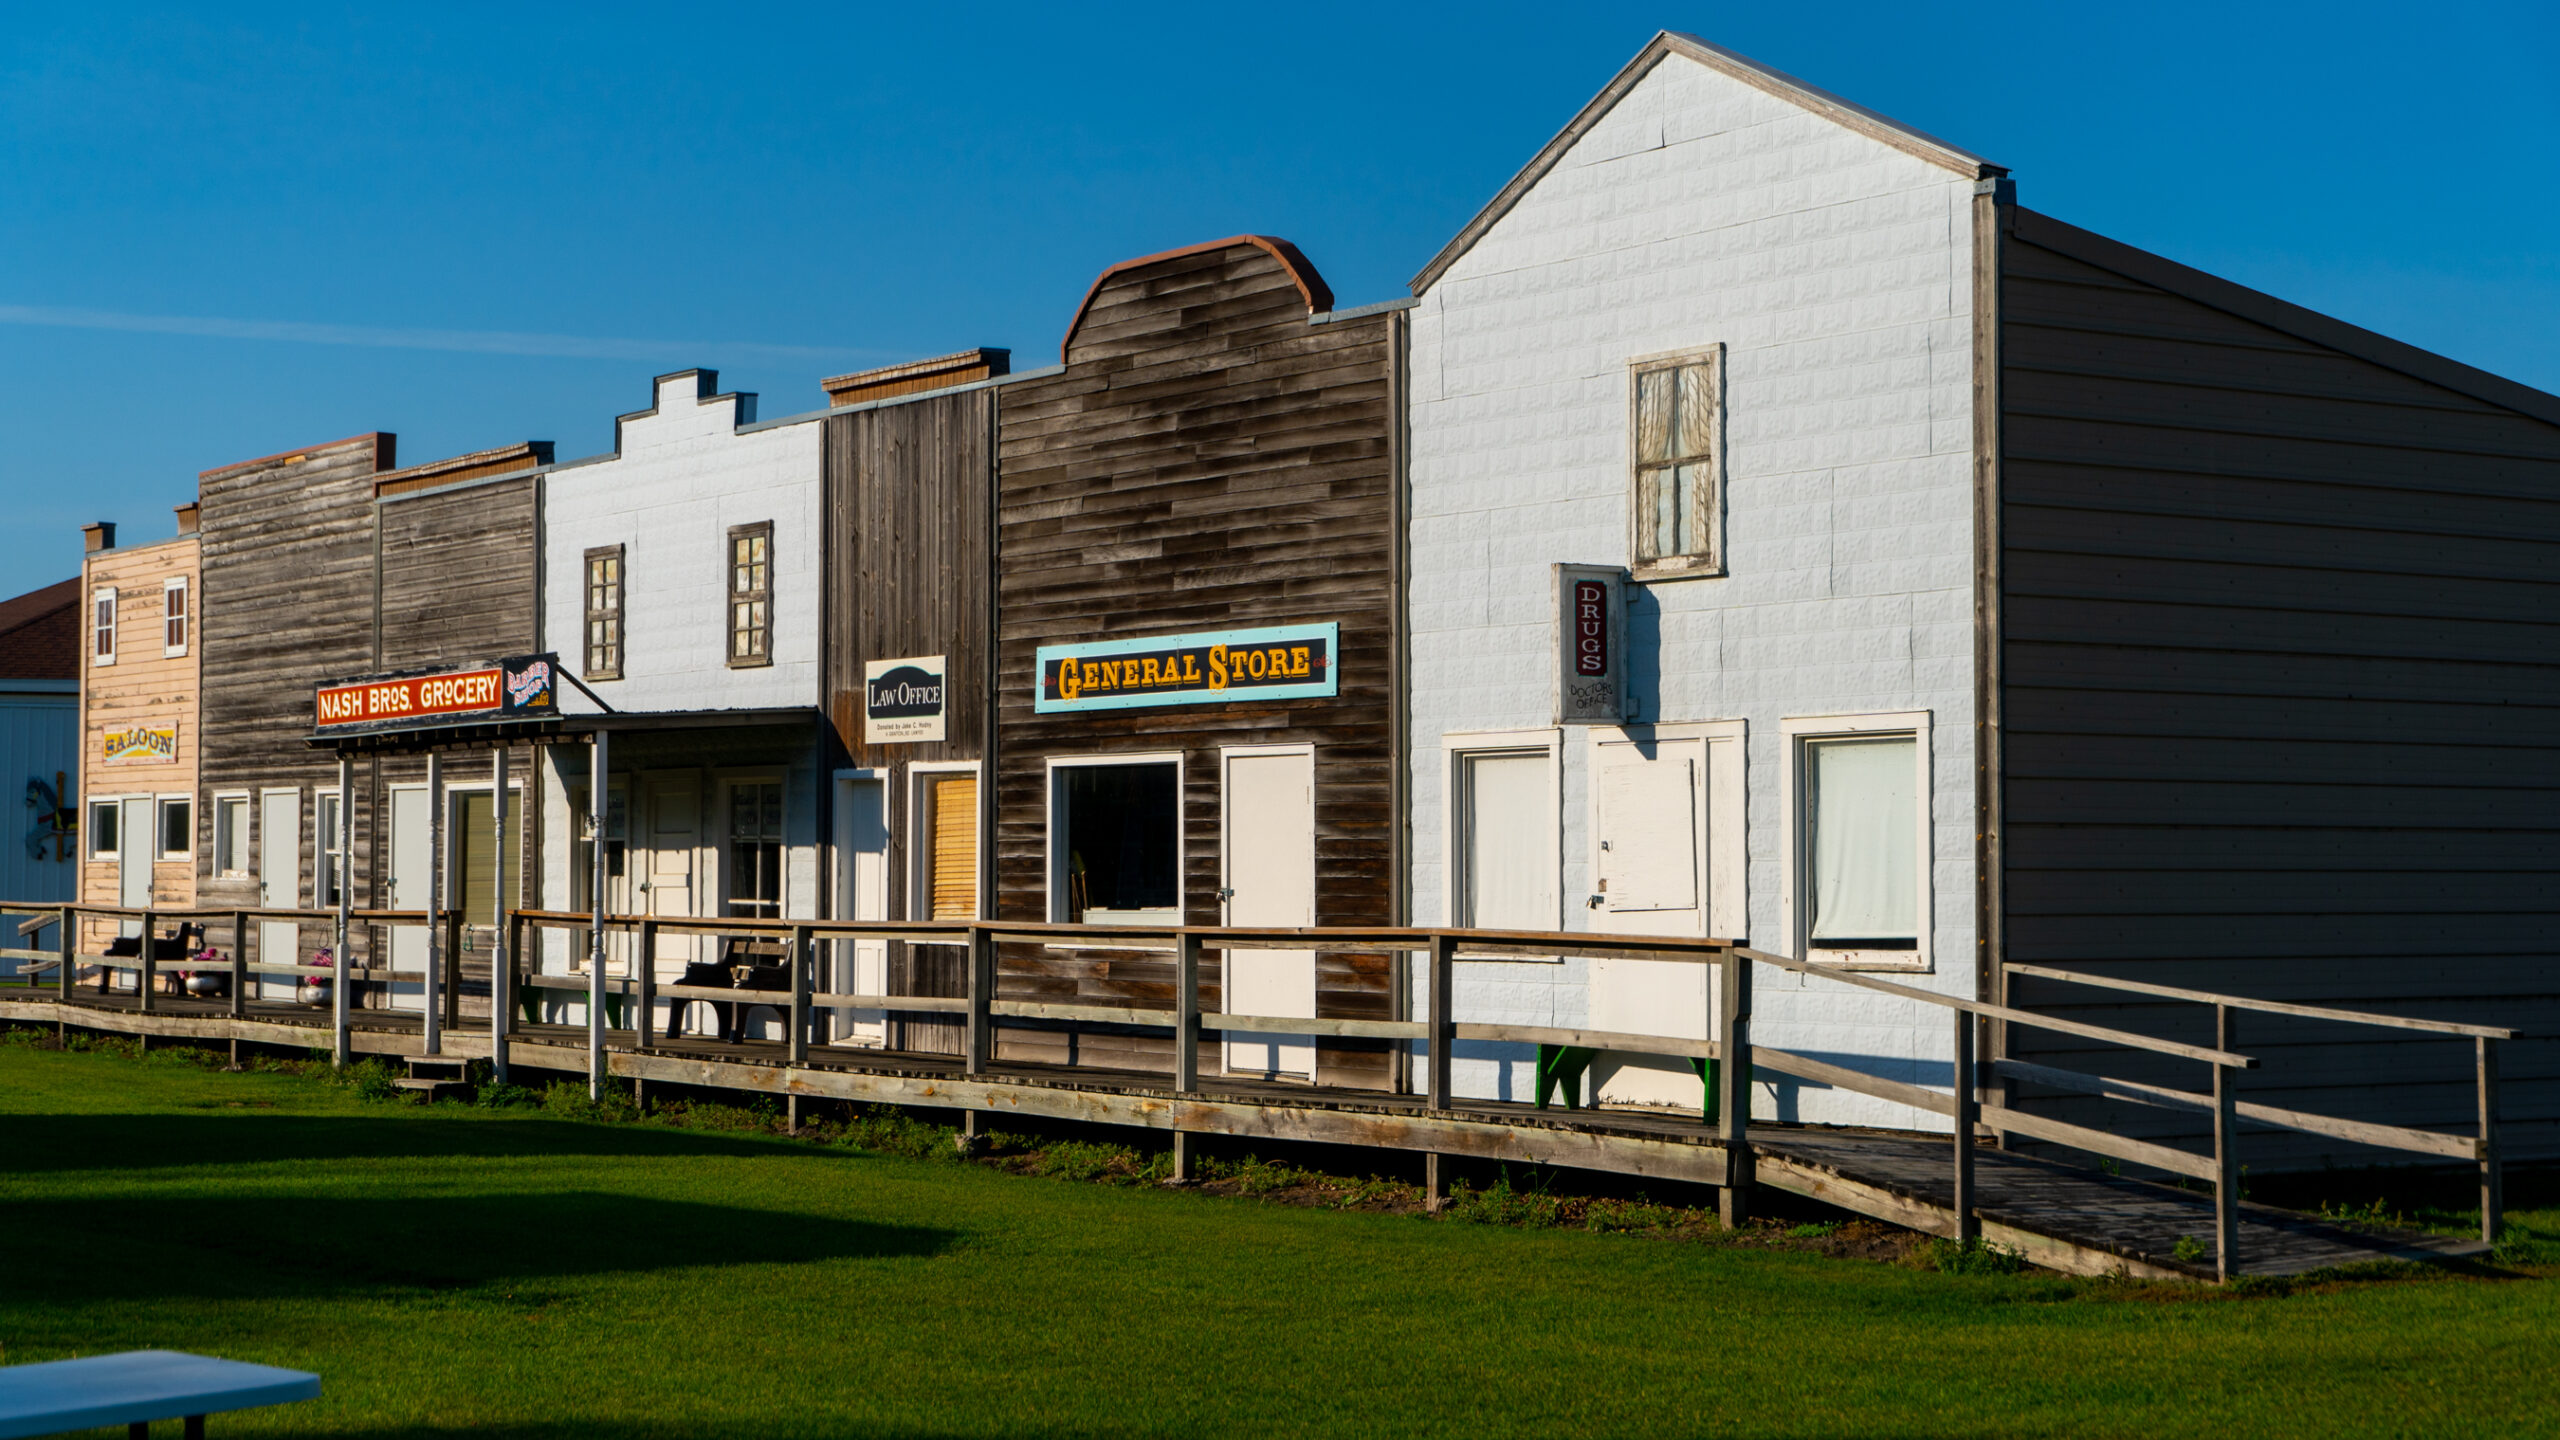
(451, 1270)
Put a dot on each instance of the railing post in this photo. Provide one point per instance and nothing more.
(1186, 1013)
(66, 945)
(2226, 1156)
(2493, 1185)
(1733, 1077)
(1968, 1114)
(451, 920)
(143, 956)
(341, 1001)
(431, 1008)
(644, 983)
(502, 980)
(239, 964)
(596, 803)
(979, 1041)
(1440, 1026)
(800, 962)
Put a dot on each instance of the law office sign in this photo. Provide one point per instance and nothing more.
(1280, 662)
(1591, 645)
(904, 700)
(525, 687)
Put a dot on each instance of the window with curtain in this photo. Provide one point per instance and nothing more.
(1507, 823)
(1679, 425)
(755, 850)
(482, 874)
(1862, 852)
(950, 847)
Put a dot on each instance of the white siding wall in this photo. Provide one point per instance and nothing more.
(1837, 272)
(685, 475)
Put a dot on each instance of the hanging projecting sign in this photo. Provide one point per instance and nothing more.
(523, 688)
(139, 745)
(1591, 645)
(903, 700)
(1282, 662)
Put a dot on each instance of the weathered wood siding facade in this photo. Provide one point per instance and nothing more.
(146, 686)
(2280, 685)
(1209, 460)
(910, 493)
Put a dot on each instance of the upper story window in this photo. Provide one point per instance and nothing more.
(174, 617)
(751, 594)
(604, 613)
(1678, 444)
(103, 607)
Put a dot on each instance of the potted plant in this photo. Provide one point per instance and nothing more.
(209, 984)
(314, 989)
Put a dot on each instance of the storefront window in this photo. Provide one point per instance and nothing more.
(755, 850)
(1119, 844)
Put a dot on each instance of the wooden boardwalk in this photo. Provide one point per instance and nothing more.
(2060, 1216)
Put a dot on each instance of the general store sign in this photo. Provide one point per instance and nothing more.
(1281, 662)
(903, 700)
(139, 745)
(523, 688)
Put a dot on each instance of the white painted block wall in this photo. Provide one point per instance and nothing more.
(1836, 271)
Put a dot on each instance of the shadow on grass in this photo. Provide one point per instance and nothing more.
(35, 1143)
(333, 1247)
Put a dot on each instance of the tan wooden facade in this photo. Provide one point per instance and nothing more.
(140, 726)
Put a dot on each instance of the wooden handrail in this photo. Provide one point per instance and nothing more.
(2269, 1007)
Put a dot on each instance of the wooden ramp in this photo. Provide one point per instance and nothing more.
(2059, 1216)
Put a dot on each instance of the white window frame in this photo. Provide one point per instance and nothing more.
(185, 616)
(116, 803)
(325, 874)
(1457, 747)
(160, 827)
(920, 832)
(1691, 564)
(724, 784)
(1724, 852)
(114, 628)
(1054, 901)
(248, 834)
(1794, 732)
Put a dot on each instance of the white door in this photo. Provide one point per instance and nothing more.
(279, 881)
(1649, 805)
(1270, 862)
(862, 847)
(411, 863)
(671, 862)
(137, 840)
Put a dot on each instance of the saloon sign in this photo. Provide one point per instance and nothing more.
(1281, 662)
(523, 688)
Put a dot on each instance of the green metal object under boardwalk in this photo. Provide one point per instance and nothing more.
(1563, 1066)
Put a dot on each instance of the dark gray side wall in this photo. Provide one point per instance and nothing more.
(2282, 697)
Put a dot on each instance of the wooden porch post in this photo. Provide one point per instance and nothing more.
(434, 1007)
(1968, 1114)
(341, 1011)
(143, 977)
(644, 983)
(1733, 1079)
(240, 977)
(2493, 1185)
(1440, 1027)
(597, 759)
(979, 1038)
(66, 946)
(1186, 1037)
(801, 951)
(2226, 1157)
(501, 982)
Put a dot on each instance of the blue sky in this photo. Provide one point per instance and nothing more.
(228, 232)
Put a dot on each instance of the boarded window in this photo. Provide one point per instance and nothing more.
(1507, 824)
(1679, 429)
(475, 847)
(751, 594)
(603, 659)
(755, 850)
(1862, 851)
(950, 847)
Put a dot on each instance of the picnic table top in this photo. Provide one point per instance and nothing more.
(142, 1385)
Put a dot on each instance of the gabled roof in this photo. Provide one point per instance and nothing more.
(40, 633)
(1847, 113)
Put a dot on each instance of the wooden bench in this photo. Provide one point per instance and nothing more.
(137, 1387)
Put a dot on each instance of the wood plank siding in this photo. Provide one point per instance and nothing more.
(909, 496)
(1209, 460)
(146, 687)
(2281, 689)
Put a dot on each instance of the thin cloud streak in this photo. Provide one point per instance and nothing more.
(483, 342)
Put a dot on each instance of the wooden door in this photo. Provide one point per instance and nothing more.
(137, 845)
(862, 893)
(1270, 879)
(1649, 867)
(671, 863)
(279, 882)
(412, 861)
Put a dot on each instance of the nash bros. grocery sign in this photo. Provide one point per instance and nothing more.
(522, 688)
(1280, 662)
